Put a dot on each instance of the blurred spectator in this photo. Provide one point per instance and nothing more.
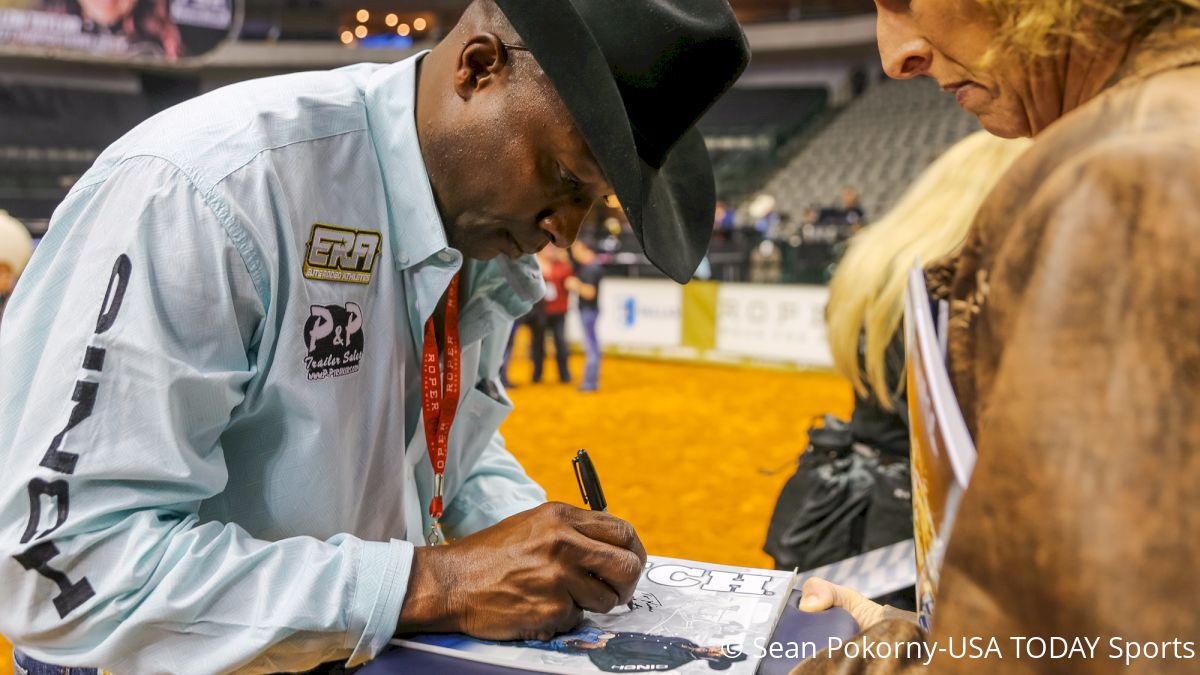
(852, 210)
(526, 320)
(766, 263)
(586, 284)
(784, 228)
(809, 232)
(15, 248)
(763, 213)
(723, 220)
(556, 269)
(611, 244)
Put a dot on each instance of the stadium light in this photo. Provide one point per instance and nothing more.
(347, 37)
(363, 15)
(419, 24)
(391, 20)
(403, 30)
(360, 32)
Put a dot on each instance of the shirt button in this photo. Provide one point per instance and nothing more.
(403, 260)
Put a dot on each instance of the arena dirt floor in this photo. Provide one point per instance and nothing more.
(694, 456)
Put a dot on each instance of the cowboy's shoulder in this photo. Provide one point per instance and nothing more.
(214, 134)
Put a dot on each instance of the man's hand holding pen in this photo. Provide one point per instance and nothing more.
(528, 577)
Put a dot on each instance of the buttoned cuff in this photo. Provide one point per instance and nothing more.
(382, 583)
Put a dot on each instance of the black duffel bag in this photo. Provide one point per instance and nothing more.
(844, 499)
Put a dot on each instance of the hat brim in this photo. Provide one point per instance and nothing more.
(670, 207)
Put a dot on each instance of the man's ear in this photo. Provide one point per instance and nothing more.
(483, 59)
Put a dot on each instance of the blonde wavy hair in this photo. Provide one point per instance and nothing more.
(1035, 28)
(931, 220)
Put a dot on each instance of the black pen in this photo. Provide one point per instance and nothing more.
(589, 487)
(589, 482)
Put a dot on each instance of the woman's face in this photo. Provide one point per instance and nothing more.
(106, 12)
(947, 40)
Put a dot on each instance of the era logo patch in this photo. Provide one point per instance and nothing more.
(333, 336)
(341, 254)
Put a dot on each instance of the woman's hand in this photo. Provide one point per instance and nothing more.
(819, 595)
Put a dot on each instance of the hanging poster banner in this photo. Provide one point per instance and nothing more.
(164, 31)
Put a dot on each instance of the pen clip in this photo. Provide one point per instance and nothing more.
(575, 462)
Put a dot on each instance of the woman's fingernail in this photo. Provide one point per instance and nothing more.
(810, 603)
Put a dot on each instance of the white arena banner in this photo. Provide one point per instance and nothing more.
(640, 313)
(777, 323)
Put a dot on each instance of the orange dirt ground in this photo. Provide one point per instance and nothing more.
(681, 448)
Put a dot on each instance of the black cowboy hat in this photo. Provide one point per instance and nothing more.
(636, 76)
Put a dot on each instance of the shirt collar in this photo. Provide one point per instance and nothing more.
(415, 225)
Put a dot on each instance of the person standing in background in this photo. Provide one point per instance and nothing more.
(586, 284)
(527, 320)
(556, 269)
(852, 208)
(16, 246)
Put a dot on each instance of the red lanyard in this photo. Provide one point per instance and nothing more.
(439, 400)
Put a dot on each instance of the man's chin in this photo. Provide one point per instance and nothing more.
(484, 253)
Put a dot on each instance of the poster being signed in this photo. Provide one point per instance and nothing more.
(685, 616)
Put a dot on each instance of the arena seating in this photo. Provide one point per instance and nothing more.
(49, 136)
(909, 123)
(791, 145)
(747, 129)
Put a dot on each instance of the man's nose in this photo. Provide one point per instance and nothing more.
(562, 224)
(904, 53)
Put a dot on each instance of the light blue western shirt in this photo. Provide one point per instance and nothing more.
(209, 397)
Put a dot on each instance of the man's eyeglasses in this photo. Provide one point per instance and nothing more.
(520, 48)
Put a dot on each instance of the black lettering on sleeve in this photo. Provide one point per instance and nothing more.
(85, 399)
(70, 595)
(59, 492)
(114, 296)
(93, 359)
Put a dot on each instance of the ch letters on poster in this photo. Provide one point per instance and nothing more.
(57, 493)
